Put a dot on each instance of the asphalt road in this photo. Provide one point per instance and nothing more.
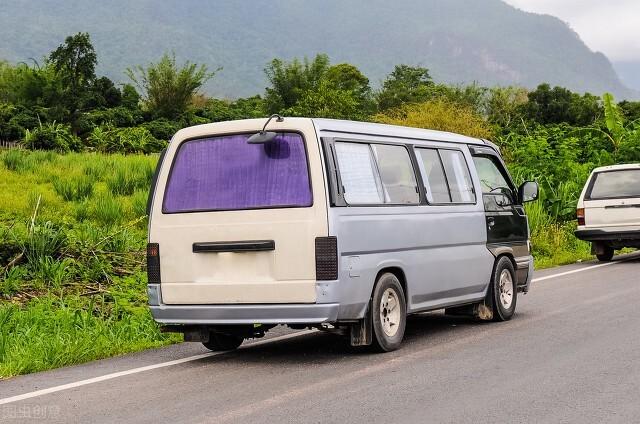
(571, 354)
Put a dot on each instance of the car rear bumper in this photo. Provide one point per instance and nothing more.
(313, 313)
(608, 234)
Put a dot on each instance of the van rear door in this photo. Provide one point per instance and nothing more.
(612, 199)
(236, 222)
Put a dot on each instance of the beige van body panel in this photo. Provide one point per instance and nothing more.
(283, 275)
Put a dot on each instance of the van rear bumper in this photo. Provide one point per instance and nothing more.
(313, 313)
(609, 234)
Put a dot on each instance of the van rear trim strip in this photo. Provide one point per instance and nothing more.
(234, 246)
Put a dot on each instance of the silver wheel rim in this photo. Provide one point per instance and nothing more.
(505, 289)
(390, 312)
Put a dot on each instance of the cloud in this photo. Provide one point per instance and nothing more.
(611, 27)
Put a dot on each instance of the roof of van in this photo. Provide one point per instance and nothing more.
(617, 167)
(335, 126)
(354, 127)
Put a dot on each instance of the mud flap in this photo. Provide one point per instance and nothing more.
(483, 312)
(362, 331)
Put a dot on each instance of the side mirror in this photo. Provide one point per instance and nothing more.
(528, 192)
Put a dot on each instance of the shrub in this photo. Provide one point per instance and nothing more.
(438, 115)
(162, 128)
(74, 188)
(117, 116)
(52, 137)
(108, 139)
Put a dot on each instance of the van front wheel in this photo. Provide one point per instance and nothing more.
(221, 342)
(503, 293)
(389, 313)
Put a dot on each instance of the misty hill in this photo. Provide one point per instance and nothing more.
(486, 41)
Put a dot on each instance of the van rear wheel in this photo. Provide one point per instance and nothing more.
(389, 313)
(221, 342)
(606, 254)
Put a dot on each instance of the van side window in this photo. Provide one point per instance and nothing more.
(359, 174)
(435, 181)
(492, 179)
(458, 176)
(447, 178)
(376, 174)
(398, 179)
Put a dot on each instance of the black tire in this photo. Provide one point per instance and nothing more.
(221, 342)
(606, 255)
(388, 326)
(503, 306)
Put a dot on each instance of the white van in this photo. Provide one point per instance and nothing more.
(609, 209)
(337, 225)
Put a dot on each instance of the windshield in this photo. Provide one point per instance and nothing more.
(227, 173)
(615, 184)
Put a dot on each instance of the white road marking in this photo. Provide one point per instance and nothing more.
(574, 271)
(138, 370)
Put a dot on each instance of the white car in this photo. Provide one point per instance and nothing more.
(609, 209)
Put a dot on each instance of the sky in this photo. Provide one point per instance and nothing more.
(608, 26)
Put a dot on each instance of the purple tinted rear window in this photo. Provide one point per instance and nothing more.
(227, 173)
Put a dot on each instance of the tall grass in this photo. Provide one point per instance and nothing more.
(74, 188)
(17, 160)
(107, 210)
(125, 180)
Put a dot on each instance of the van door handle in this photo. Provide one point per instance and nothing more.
(234, 246)
(491, 222)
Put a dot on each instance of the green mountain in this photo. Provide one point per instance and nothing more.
(486, 41)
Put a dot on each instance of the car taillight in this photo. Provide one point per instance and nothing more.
(326, 258)
(153, 263)
(580, 215)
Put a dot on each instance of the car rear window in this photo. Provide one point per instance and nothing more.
(615, 184)
(228, 173)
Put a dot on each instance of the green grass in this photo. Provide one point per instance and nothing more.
(75, 290)
(74, 228)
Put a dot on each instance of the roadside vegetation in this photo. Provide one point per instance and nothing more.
(73, 195)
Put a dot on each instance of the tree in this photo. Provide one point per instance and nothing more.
(327, 101)
(316, 88)
(406, 84)
(167, 89)
(504, 105)
(290, 80)
(630, 110)
(130, 97)
(75, 62)
(556, 105)
(104, 93)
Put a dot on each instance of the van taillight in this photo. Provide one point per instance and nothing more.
(153, 263)
(326, 258)
(580, 215)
